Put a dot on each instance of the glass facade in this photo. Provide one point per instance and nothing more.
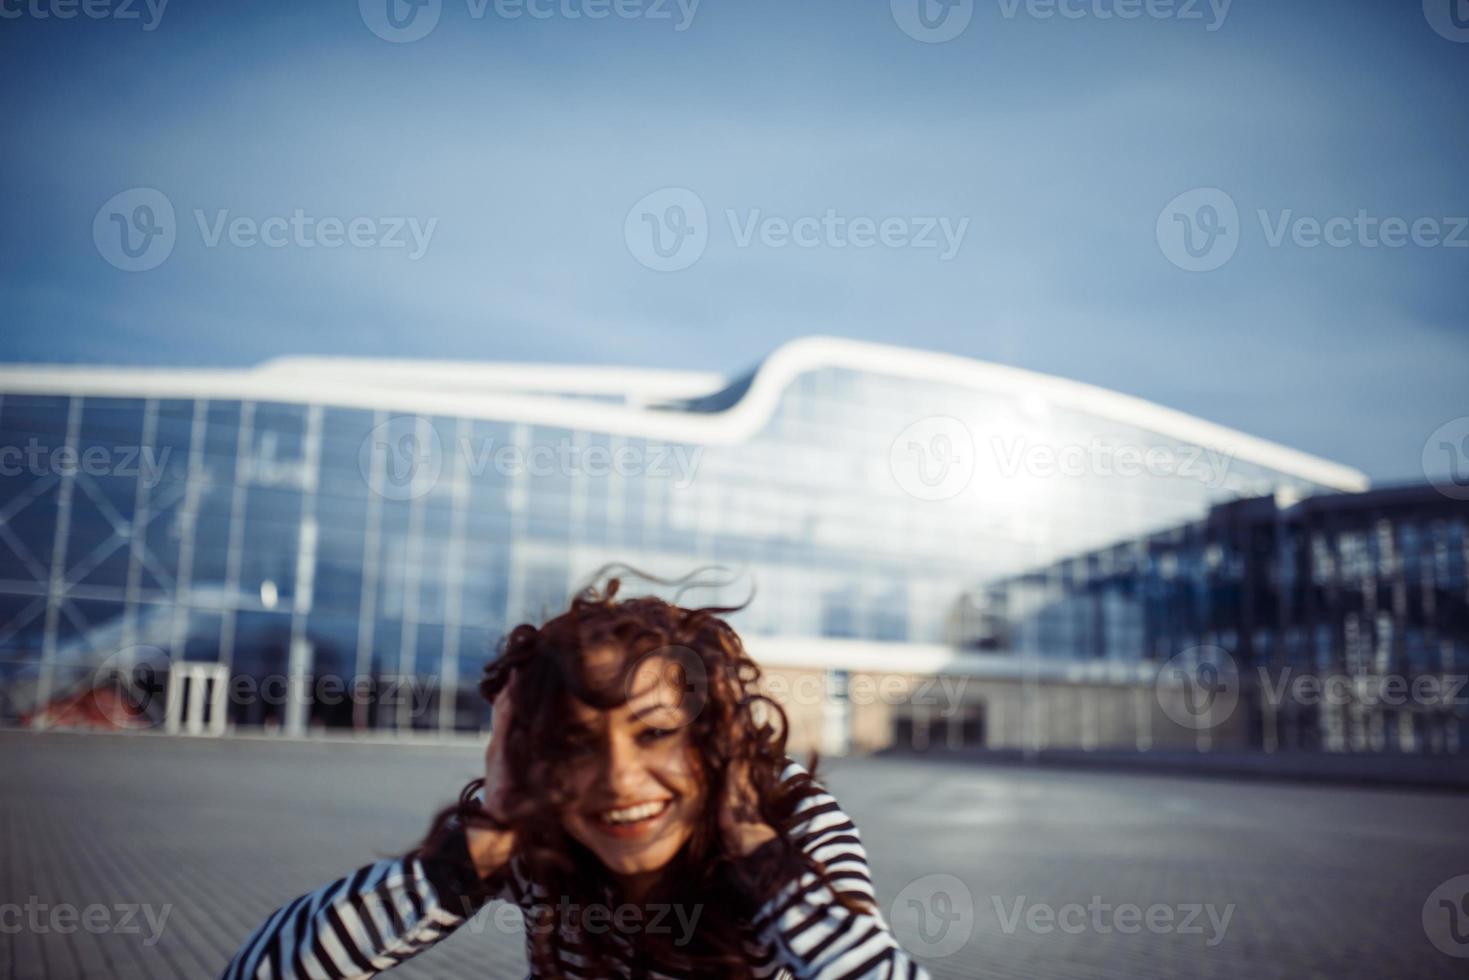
(1345, 617)
(294, 542)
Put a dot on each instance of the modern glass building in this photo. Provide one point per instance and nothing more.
(1340, 621)
(379, 525)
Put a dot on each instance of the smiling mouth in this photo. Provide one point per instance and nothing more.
(631, 821)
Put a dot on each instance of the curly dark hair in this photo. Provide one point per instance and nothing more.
(733, 724)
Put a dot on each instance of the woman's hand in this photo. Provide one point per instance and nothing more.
(739, 816)
(490, 848)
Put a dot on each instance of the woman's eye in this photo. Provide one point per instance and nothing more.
(650, 735)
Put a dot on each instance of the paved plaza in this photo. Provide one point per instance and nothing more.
(168, 851)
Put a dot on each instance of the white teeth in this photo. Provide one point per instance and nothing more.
(632, 814)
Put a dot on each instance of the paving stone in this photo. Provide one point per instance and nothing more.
(209, 836)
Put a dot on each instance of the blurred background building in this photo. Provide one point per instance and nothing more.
(943, 552)
(1339, 622)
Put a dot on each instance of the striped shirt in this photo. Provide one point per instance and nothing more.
(392, 910)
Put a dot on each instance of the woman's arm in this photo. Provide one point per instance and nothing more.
(364, 923)
(391, 910)
(798, 915)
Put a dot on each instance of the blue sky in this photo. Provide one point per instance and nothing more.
(519, 146)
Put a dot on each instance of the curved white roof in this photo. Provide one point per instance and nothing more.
(557, 396)
(637, 385)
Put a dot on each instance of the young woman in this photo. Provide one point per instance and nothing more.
(637, 805)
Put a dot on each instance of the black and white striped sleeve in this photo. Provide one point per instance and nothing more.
(357, 926)
(809, 931)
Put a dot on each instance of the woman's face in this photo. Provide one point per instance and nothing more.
(636, 787)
